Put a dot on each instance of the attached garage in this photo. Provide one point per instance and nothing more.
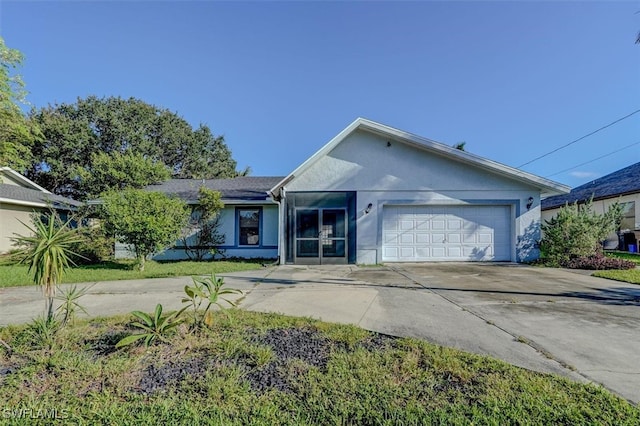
(446, 233)
(407, 199)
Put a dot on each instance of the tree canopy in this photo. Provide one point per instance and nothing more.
(17, 133)
(84, 138)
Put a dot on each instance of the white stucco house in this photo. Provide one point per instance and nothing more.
(377, 194)
(19, 198)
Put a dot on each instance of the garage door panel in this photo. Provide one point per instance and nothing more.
(420, 233)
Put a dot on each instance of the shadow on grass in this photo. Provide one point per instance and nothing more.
(109, 265)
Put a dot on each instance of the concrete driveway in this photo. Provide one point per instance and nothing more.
(546, 320)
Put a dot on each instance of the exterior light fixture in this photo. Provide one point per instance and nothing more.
(368, 209)
(529, 203)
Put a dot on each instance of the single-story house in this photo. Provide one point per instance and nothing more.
(19, 198)
(377, 194)
(622, 186)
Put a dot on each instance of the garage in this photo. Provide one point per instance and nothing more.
(446, 233)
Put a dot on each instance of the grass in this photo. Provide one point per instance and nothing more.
(253, 368)
(631, 276)
(634, 257)
(12, 275)
(628, 276)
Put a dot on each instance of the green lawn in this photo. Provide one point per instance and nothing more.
(12, 275)
(268, 369)
(634, 257)
(629, 276)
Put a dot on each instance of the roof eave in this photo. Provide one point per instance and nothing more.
(546, 186)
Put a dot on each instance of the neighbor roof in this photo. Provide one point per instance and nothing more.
(244, 188)
(13, 194)
(547, 187)
(622, 182)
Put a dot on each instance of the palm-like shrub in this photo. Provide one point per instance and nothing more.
(48, 253)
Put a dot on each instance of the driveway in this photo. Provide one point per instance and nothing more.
(585, 328)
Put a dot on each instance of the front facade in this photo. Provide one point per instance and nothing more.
(19, 198)
(376, 194)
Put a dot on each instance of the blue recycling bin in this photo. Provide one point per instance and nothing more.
(632, 248)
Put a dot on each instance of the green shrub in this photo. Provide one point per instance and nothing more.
(577, 231)
(96, 246)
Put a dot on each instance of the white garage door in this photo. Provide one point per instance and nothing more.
(423, 233)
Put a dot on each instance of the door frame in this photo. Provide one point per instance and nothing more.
(321, 259)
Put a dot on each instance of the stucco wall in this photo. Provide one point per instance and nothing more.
(10, 217)
(267, 249)
(400, 173)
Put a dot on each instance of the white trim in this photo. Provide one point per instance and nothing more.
(22, 203)
(547, 187)
(23, 179)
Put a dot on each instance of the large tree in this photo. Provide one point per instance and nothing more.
(75, 133)
(17, 132)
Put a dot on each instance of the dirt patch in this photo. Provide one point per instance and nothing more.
(105, 344)
(295, 352)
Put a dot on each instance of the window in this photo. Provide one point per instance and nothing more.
(249, 226)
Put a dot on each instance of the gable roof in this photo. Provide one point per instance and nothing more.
(243, 188)
(546, 186)
(13, 194)
(23, 180)
(621, 182)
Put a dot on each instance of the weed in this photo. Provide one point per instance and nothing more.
(210, 290)
(155, 327)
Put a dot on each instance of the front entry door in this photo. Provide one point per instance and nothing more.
(321, 236)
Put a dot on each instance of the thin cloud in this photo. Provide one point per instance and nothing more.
(583, 175)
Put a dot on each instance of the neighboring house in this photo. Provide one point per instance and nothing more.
(19, 197)
(622, 186)
(377, 194)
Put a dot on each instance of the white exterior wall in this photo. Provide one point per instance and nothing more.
(402, 174)
(10, 217)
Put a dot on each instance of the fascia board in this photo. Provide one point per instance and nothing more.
(22, 203)
(24, 179)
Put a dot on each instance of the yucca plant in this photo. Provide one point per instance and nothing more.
(155, 327)
(48, 253)
(70, 306)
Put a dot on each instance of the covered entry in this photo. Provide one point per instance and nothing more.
(441, 233)
(321, 228)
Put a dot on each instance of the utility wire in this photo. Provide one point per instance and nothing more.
(595, 159)
(580, 138)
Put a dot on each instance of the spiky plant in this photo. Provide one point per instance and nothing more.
(48, 253)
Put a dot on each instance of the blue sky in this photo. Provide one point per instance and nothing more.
(280, 79)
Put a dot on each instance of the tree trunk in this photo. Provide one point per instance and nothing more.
(141, 259)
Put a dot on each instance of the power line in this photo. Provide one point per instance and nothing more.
(580, 138)
(595, 159)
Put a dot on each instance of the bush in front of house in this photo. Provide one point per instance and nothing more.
(599, 261)
(577, 232)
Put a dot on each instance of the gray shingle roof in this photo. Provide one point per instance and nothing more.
(22, 194)
(252, 188)
(624, 181)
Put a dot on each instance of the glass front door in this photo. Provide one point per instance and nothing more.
(321, 236)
